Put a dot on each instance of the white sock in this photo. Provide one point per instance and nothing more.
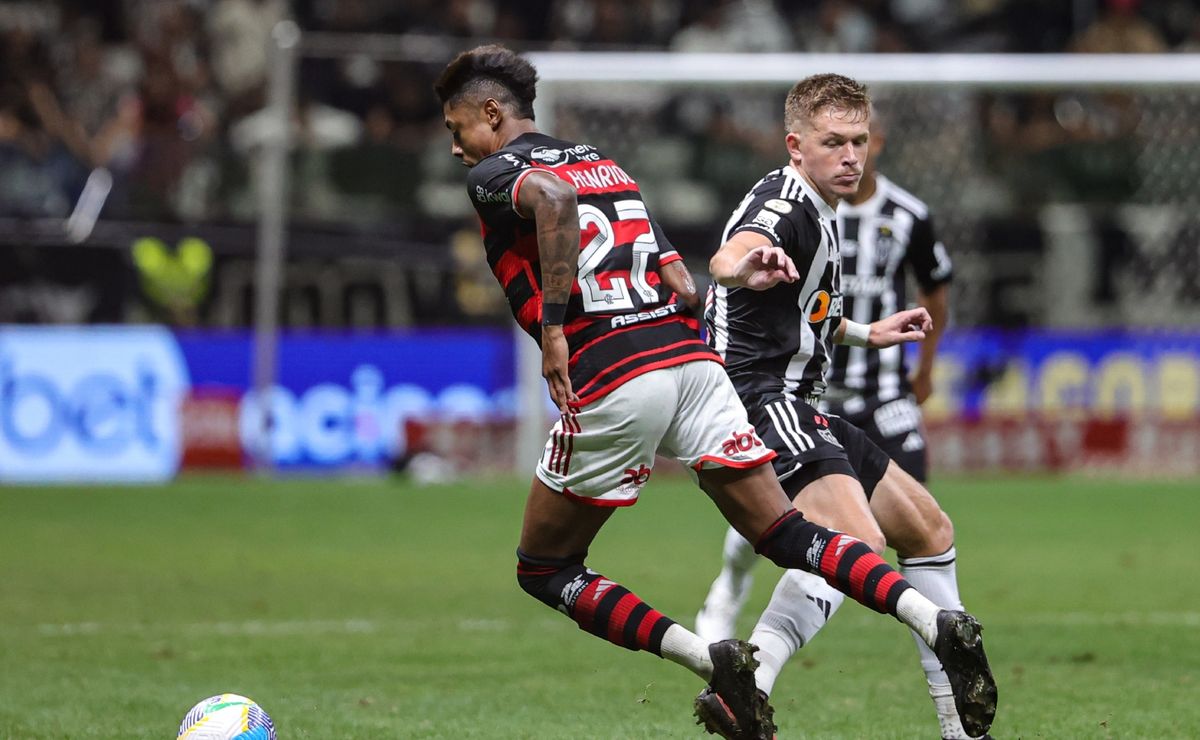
(799, 608)
(943, 700)
(936, 576)
(681, 645)
(919, 613)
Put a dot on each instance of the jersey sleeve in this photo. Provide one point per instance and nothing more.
(928, 257)
(770, 218)
(666, 250)
(785, 223)
(494, 184)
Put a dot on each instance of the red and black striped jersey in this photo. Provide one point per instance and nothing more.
(621, 320)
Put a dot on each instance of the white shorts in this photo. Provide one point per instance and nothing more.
(603, 454)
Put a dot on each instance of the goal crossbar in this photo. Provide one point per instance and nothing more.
(958, 70)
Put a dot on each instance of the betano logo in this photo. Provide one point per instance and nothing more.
(822, 305)
(817, 307)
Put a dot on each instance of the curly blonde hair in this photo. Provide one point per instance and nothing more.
(811, 95)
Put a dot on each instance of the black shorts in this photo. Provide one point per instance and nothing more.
(895, 426)
(811, 445)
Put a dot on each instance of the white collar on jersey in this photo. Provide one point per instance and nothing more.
(823, 208)
(870, 204)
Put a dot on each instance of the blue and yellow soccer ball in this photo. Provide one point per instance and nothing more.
(227, 717)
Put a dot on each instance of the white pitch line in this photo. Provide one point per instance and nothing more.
(286, 628)
(256, 627)
(1082, 619)
(263, 627)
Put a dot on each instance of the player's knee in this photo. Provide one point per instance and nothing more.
(544, 578)
(874, 540)
(933, 534)
(941, 535)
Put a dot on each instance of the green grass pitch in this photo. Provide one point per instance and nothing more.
(376, 609)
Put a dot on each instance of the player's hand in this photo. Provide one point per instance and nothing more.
(765, 267)
(922, 385)
(554, 367)
(903, 326)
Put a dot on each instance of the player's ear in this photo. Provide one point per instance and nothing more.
(792, 140)
(493, 113)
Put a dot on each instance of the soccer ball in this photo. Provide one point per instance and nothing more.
(227, 717)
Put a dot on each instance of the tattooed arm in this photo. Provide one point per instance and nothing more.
(551, 203)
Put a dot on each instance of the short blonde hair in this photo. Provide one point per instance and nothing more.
(810, 96)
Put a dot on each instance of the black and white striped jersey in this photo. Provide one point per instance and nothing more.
(774, 341)
(883, 239)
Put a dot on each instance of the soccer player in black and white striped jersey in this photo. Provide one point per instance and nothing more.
(775, 337)
(887, 235)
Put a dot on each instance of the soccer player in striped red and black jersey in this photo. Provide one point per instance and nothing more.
(590, 276)
(621, 319)
(775, 337)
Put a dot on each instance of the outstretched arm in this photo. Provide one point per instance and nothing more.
(749, 260)
(910, 325)
(551, 203)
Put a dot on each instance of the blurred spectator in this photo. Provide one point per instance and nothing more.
(1191, 42)
(239, 32)
(710, 31)
(838, 27)
(161, 91)
(1119, 30)
(29, 186)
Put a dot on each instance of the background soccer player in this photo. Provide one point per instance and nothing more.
(774, 340)
(589, 276)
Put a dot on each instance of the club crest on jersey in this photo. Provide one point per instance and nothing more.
(821, 305)
(885, 242)
(778, 205)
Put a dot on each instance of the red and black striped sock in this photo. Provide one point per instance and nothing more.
(846, 562)
(598, 605)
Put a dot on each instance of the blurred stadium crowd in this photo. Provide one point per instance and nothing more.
(164, 93)
(168, 96)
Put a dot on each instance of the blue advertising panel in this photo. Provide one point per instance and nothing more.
(89, 404)
(342, 398)
(127, 403)
(1101, 373)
